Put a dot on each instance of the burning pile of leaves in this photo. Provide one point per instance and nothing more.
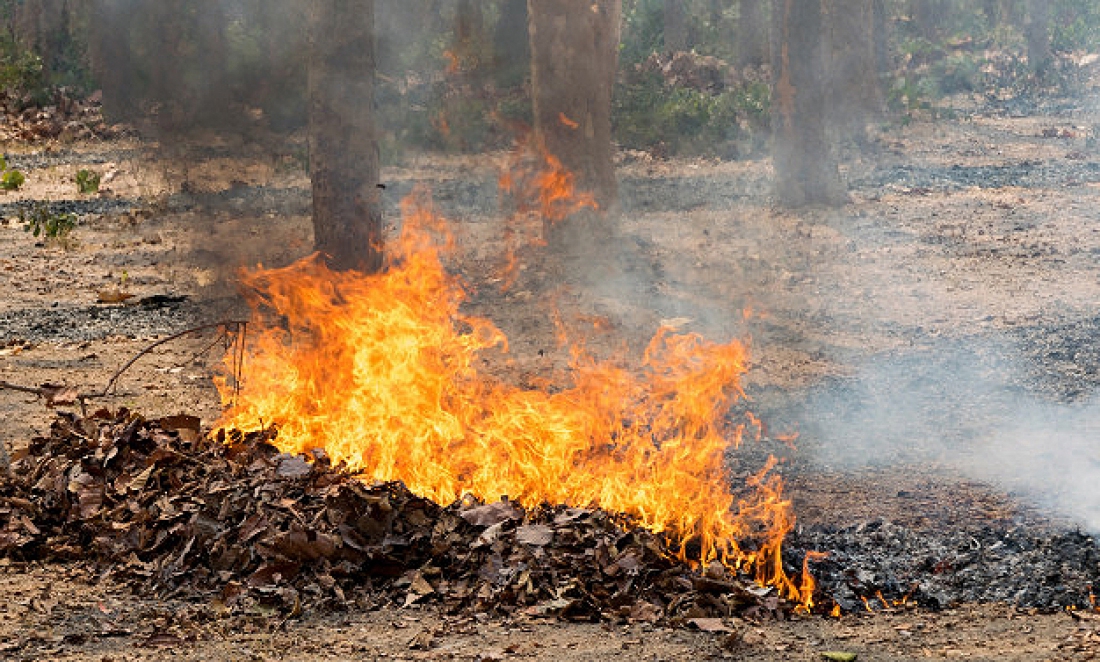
(159, 506)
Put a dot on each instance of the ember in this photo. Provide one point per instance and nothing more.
(382, 373)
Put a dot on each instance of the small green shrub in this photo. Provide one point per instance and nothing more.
(11, 180)
(649, 114)
(42, 222)
(957, 73)
(87, 181)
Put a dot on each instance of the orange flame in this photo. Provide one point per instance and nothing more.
(542, 192)
(384, 373)
(566, 122)
(808, 585)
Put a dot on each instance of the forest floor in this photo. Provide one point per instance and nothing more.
(934, 343)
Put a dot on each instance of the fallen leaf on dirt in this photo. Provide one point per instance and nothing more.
(839, 656)
(59, 396)
(422, 641)
(709, 624)
(113, 295)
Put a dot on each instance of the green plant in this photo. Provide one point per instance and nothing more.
(649, 114)
(11, 180)
(957, 73)
(42, 222)
(87, 181)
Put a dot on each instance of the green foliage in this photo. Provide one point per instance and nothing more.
(11, 180)
(42, 222)
(958, 72)
(648, 114)
(87, 181)
(21, 71)
(1076, 26)
(60, 60)
(642, 31)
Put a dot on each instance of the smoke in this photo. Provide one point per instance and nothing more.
(978, 406)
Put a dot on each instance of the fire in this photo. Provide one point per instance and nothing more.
(385, 373)
(542, 192)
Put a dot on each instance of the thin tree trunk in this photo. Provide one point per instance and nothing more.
(511, 43)
(675, 26)
(928, 16)
(343, 142)
(1039, 56)
(752, 33)
(574, 55)
(111, 58)
(805, 167)
(853, 90)
(881, 39)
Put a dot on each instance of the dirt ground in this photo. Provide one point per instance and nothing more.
(980, 226)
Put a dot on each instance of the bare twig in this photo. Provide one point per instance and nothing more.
(49, 392)
(40, 392)
(240, 326)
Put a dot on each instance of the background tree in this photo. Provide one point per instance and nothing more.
(1037, 29)
(853, 94)
(752, 33)
(511, 43)
(343, 141)
(574, 56)
(675, 26)
(881, 40)
(805, 167)
(929, 16)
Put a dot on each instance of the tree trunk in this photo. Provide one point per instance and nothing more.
(511, 43)
(1037, 27)
(853, 91)
(111, 57)
(675, 26)
(343, 142)
(928, 16)
(881, 39)
(752, 33)
(574, 55)
(43, 27)
(805, 168)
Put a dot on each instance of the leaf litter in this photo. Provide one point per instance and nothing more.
(231, 521)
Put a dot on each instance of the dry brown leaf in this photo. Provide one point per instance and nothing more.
(491, 513)
(709, 624)
(537, 535)
(113, 295)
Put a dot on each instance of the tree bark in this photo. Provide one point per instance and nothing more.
(929, 16)
(111, 58)
(752, 33)
(574, 55)
(511, 43)
(1037, 27)
(881, 39)
(805, 167)
(43, 27)
(853, 92)
(343, 141)
(675, 26)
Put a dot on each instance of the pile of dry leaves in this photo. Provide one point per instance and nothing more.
(166, 509)
(65, 117)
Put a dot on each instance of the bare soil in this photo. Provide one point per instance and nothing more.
(977, 227)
